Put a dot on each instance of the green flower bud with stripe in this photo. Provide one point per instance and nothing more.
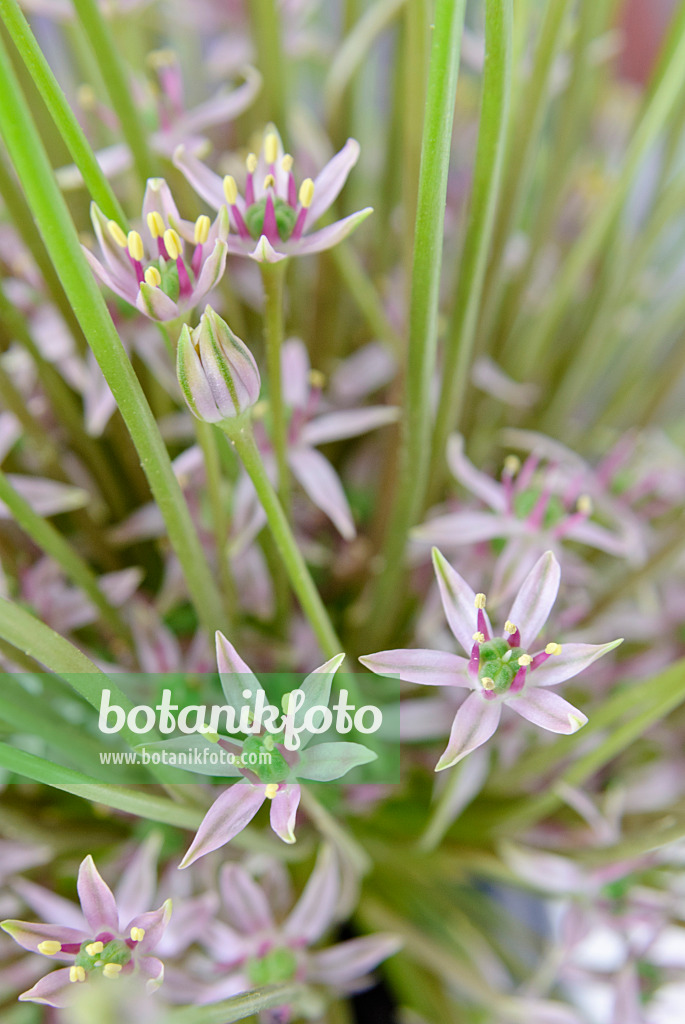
(217, 372)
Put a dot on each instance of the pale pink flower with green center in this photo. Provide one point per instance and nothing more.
(272, 211)
(170, 265)
(94, 942)
(499, 670)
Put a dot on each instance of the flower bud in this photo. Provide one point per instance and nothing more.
(217, 372)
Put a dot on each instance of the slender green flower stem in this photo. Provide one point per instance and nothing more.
(240, 433)
(51, 214)
(265, 17)
(54, 544)
(238, 1007)
(62, 114)
(116, 80)
(415, 58)
(206, 435)
(424, 296)
(492, 139)
(273, 277)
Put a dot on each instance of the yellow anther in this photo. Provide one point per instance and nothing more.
(153, 277)
(135, 246)
(76, 974)
(112, 970)
(251, 163)
(285, 703)
(509, 627)
(137, 934)
(172, 243)
(479, 637)
(85, 97)
(271, 790)
(487, 683)
(271, 148)
(584, 504)
(94, 948)
(512, 464)
(269, 181)
(306, 193)
(287, 163)
(553, 649)
(202, 226)
(49, 947)
(117, 234)
(524, 660)
(230, 189)
(155, 223)
(317, 379)
(480, 600)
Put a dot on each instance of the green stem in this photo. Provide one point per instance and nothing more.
(207, 437)
(273, 277)
(51, 214)
(115, 77)
(239, 1007)
(54, 544)
(492, 137)
(240, 433)
(266, 31)
(424, 297)
(62, 114)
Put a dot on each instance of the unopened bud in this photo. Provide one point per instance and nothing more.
(216, 370)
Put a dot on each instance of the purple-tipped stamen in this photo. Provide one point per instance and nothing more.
(270, 227)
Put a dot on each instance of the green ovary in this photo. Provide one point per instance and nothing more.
(269, 764)
(499, 662)
(277, 965)
(285, 218)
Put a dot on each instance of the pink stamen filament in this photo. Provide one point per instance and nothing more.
(270, 227)
(184, 285)
(138, 267)
(474, 661)
(537, 516)
(299, 224)
(292, 190)
(249, 188)
(240, 224)
(562, 529)
(515, 639)
(526, 473)
(482, 624)
(519, 680)
(539, 659)
(161, 248)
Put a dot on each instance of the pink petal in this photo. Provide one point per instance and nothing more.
(153, 302)
(480, 484)
(425, 719)
(224, 107)
(474, 724)
(328, 761)
(154, 923)
(336, 426)
(330, 180)
(535, 598)
(314, 912)
(52, 908)
(29, 935)
(574, 658)
(153, 969)
(458, 528)
(234, 674)
(284, 811)
(548, 710)
(327, 237)
(458, 602)
(52, 990)
(138, 881)
(46, 497)
(322, 484)
(212, 272)
(158, 199)
(295, 367)
(245, 902)
(228, 815)
(430, 668)
(123, 284)
(97, 902)
(205, 182)
(339, 965)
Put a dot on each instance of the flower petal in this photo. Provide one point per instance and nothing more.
(548, 710)
(344, 963)
(535, 598)
(314, 912)
(322, 484)
(330, 180)
(153, 302)
(52, 990)
(154, 923)
(458, 601)
(326, 237)
(295, 368)
(574, 658)
(458, 528)
(284, 811)
(245, 901)
(264, 252)
(228, 815)
(474, 724)
(328, 761)
(480, 484)
(29, 935)
(97, 902)
(429, 668)
(336, 426)
(212, 271)
(205, 182)
(234, 674)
